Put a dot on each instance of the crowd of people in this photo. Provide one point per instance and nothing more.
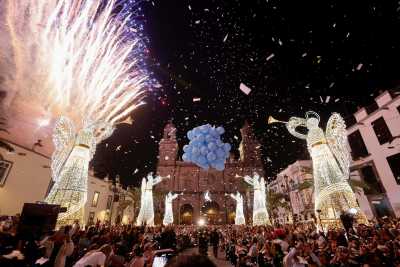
(377, 244)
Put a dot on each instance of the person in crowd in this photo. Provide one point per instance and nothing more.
(214, 241)
(95, 258)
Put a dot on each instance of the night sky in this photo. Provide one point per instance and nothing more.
(295, 56)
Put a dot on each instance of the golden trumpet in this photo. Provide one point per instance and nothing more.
(273, 120)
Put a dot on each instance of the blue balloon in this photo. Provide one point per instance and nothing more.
(219, 143)
(220, 167)
(204, 128)
(212, 146)
(186, 148)
(220, 130)
(221, 153)
(202, 159)
(211, 156)
(190, 135)
(204, 150)
(195, 151)
(209, 138)
(200, 138)
(227, 147)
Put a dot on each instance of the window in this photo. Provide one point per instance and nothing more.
(95, 199)
(358, 148)
(350, 121)
(109, 202)
(394, 163)
(371, 179)
(371, 108)
(5, 167)
(382, 131)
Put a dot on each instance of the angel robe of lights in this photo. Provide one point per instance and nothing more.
(207, 196)
(331, 165)
(239, 215)
(69, 165)
(169, 215)
(146, 213)
(260, 213)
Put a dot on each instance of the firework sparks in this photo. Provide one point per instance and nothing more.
(74, 58)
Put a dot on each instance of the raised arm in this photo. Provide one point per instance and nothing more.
(157, 180)
(293, 123)
(249, 180)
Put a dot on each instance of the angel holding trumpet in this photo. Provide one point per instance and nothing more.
(331, 165)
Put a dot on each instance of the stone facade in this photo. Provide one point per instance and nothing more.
(193, 182)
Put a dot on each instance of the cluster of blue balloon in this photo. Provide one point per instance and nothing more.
(205, 148)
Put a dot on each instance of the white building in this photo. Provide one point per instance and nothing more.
(374, 138)
(25, 178)
(301, 201)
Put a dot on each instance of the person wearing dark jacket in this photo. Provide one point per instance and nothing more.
(214, 240)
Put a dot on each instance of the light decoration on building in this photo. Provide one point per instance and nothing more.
(146, 212)
(169, 215)
(331, 165)
(260, 213)
(83, 61)
(239, 215)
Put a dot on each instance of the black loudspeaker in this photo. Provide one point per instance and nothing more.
(37, 219)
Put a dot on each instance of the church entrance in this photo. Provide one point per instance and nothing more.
(186, 214)
(211, 211)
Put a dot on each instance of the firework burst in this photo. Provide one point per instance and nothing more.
(74, 58)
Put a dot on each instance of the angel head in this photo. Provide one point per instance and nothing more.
(312, 120)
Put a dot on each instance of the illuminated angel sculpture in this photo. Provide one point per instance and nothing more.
(239, 215)
(146, 213)
(169, 215)
(331, 165)
(207, 197)
(70, 163)
(260, 213)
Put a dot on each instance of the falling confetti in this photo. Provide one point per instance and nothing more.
(226, 37)
(270, 56)
(245, 89)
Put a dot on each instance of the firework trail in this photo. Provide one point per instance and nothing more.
(72, 57)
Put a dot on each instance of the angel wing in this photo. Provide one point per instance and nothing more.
(337, 142)
(63, 139)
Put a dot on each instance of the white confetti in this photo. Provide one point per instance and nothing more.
(136, 170)
(327, 99)
(236, 137)
(337, 100)
(359, 66)
(197, 21)
(226, 37)
(196, 99)
(303, 55)
(118, 148)
(270, 56)
(190, 8)
(320, 97)
(244, 88)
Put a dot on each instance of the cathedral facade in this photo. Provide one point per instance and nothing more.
(193, 182)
